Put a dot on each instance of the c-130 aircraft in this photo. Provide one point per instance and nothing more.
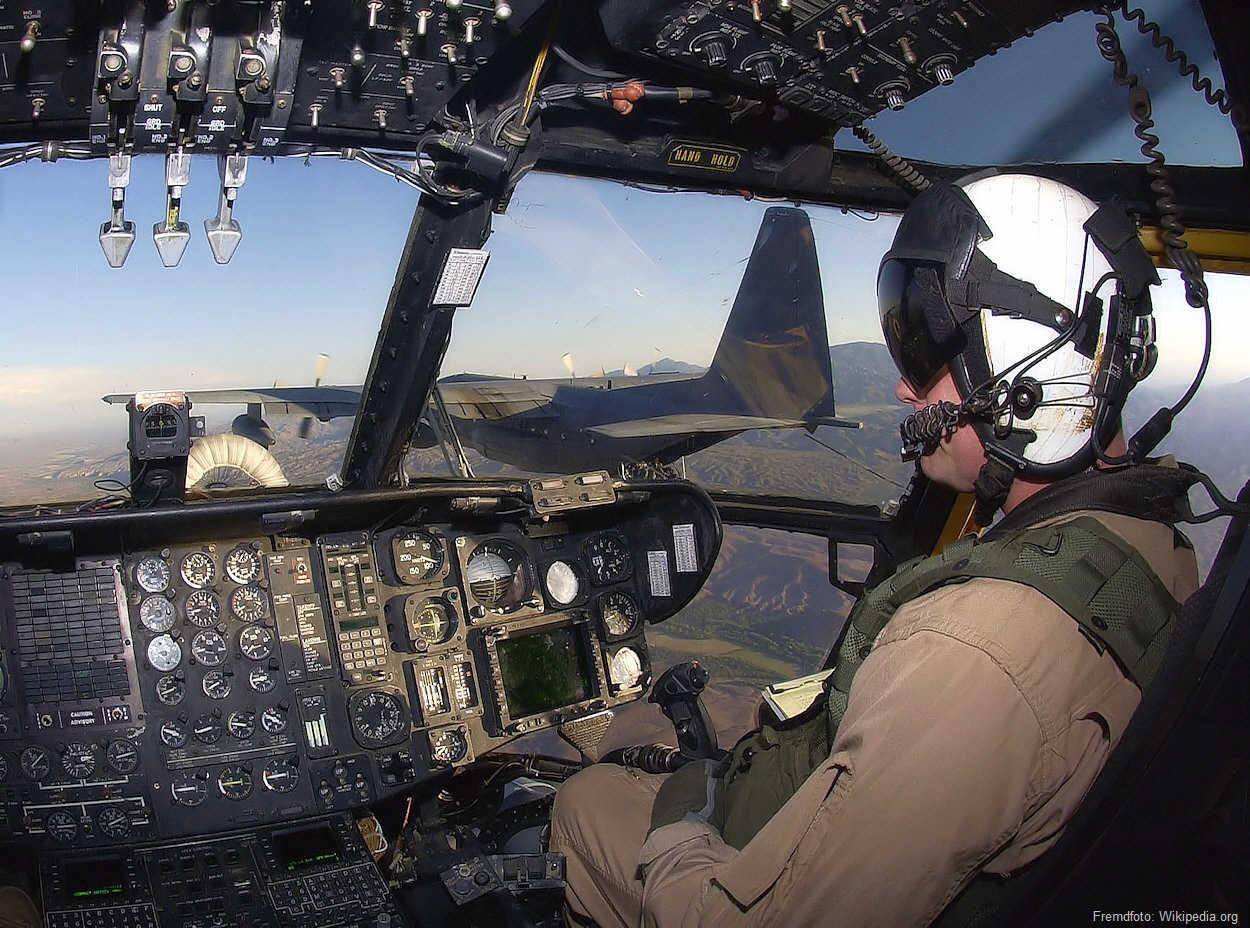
(303, 706)
(771, 370)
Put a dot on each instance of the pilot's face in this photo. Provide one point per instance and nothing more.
(958, 458)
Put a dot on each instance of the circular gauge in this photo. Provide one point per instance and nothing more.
(235, 782)
(157, 614)
(202, 608)
(164, 653)
(242, 724)
(563, 583)
(189, 789)
(173, 734)
(122, 756)
(198, 570)
(209, 647)
(625, 669)
(79, 760)
(243, 564)
(261, 680)
(608, 558)
(170, 689)
(256, 642)
(418, 555)
(378, 718)
(448, 746)
(280, 775)
(61, 826)
(273, 720)
(207, 729)
(217, 684)
(496, 575)
(620, 613)
(113, 822)
(152, 574)
(36, 763)
(248, 603)
(430, 621)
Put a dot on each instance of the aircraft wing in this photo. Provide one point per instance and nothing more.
(323, 403)
(693, 423)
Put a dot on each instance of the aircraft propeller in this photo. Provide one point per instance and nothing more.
(305, 425)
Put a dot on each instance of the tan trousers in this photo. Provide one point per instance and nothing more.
(600, 820)
(17, 910)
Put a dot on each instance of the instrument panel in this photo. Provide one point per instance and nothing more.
(225, 682)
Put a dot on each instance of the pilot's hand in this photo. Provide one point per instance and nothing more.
(692, 794)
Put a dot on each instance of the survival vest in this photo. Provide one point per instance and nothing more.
(1119, 603)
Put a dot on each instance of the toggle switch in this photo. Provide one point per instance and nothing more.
(27, 45)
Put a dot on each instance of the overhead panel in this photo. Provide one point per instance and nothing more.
(842, 61)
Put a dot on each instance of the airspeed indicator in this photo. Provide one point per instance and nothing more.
(418, 555)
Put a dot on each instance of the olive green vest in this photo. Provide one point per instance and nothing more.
(1119, 603)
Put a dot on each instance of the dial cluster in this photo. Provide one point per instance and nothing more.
(210, 655)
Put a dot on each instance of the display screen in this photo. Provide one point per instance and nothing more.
(543, 671)
(95, 877)
(306, 847)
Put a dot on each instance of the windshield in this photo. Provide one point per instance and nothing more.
(596, 283)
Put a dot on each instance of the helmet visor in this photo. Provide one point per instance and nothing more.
(920, 332)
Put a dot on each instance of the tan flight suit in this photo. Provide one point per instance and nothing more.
(974, 729)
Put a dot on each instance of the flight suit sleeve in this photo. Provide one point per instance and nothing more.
(932, 772)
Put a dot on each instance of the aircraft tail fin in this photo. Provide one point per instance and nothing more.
(773, 357)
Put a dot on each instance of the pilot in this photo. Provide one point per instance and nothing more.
(977, 693)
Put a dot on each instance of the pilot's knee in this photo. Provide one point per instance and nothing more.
(579, 796)
(603, 798)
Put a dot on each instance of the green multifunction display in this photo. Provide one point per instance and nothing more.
(355, 607)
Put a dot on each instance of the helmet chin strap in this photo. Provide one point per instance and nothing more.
(991, 487)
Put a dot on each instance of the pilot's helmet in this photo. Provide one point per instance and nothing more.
(993, 277)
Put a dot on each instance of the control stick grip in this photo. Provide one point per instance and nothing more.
(677, 693)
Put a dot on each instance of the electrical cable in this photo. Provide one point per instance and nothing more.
(48, 151)
(1175, 248)
(899, 165)
(1214, 96)
(586, 69)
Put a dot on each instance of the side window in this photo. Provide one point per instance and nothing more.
(766, 614)
(1206, 433)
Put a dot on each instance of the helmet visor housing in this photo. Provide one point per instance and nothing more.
(920, 331)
